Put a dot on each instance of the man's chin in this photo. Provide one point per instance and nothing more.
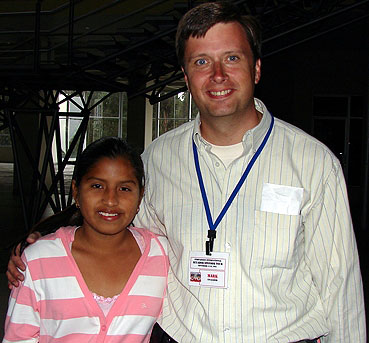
(220, 113)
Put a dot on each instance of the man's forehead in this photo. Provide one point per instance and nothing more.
(202, 33)
(222, 37)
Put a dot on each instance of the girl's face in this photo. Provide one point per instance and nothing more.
(109, 196)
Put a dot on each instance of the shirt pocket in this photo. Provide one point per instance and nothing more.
(277, 239)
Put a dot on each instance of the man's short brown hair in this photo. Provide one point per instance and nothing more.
(197, 21)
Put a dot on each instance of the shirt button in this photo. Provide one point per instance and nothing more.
(103, 328)
(217, 164)
(226, 329)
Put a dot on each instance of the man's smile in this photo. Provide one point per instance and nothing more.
(220, 93)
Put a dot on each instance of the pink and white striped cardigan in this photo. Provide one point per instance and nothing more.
(53, 304)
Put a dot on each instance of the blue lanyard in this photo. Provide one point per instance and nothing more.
(213, 226)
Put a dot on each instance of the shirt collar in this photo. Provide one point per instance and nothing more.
(256, 135)
(259, 131)
(198, 139)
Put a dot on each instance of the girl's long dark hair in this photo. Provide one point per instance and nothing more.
(106, 147)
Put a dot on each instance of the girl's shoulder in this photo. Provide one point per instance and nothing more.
(51, 245)
(62, 232)
(153, 240)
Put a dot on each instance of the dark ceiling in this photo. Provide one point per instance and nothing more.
(126, 45)
(51, 46)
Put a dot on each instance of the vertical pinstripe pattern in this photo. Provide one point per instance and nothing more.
(53, 304)
(292, 277)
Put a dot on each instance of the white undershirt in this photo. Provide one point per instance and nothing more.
(227, 153)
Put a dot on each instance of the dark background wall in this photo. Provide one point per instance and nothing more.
(334, 65)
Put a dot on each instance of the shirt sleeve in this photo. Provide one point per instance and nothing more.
(332, 255)
(22, 323)
(147, 217)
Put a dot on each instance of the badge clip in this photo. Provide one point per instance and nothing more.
(210, 243)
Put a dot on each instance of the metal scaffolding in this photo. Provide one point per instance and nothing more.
(52, 46)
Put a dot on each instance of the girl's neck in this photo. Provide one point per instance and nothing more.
(106, 263)
(98, 242)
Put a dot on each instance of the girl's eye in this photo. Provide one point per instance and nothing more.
(200, 62)
(125, 189)
(96, 185)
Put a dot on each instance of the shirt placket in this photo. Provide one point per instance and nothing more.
(226, 242)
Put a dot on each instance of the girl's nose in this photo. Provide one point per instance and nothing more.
(110, 197)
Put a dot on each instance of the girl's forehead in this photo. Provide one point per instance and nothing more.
(111, 166)
(111, 160)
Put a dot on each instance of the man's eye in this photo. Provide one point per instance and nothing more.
(233, 58)
(125, 189)
(96, 185)
(200, 62)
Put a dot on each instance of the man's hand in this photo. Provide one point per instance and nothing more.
(15, 262)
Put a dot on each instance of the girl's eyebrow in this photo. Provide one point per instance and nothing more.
(95, 178)
(92, 178)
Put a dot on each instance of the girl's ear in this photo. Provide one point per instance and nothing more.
(75, 191)
(142, 193)
(140, 199)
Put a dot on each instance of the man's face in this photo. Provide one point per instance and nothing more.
(220, 71)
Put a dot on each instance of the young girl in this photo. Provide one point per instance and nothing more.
(101, 281)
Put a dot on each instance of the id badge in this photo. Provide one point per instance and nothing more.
(208, 271)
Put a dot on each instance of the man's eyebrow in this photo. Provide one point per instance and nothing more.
(204, 54)
(234, 51)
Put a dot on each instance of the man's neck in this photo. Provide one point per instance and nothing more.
(228, 130)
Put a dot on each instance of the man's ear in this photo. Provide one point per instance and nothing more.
(185, 77)
(257, 71)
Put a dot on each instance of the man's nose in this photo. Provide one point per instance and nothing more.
(219, 74)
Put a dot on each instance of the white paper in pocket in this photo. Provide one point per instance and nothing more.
(281, 199)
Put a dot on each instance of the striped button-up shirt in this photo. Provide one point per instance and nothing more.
(294, 270)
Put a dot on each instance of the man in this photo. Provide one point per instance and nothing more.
(255, 210)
